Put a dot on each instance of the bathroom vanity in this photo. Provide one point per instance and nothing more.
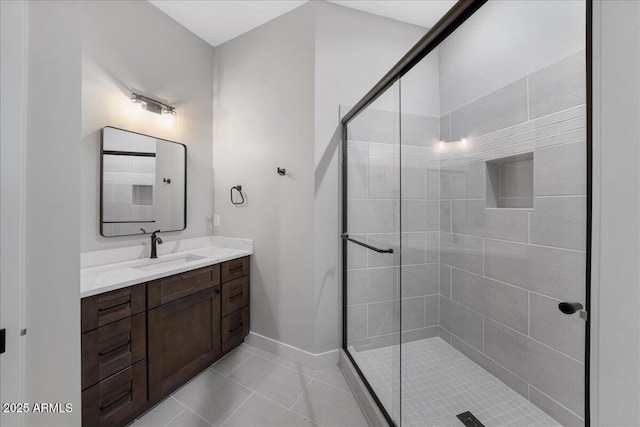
(149, 326)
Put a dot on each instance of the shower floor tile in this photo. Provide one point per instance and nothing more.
(439, 382)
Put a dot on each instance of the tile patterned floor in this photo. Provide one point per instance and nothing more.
(440, 382)
(252, 388)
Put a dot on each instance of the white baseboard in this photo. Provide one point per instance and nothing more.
(310, 360)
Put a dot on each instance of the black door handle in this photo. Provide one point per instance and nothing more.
(570, 307)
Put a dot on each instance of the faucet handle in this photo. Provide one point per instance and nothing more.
(143, 230)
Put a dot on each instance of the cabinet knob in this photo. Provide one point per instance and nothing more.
(216, 291)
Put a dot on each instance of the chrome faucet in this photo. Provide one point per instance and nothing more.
(155, 241)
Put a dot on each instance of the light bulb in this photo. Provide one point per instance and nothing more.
(169, 118)
(137, 108)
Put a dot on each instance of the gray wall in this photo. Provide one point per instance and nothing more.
(52, 210)
(505, 270)
(278, 90)
(131, 45)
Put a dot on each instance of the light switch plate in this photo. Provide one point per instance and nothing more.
(216, 220)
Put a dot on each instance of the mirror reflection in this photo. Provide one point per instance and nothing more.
(143, 184)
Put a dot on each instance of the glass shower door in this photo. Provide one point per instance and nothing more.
(371, 246)
(473, 168)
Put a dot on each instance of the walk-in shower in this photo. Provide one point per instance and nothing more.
(465, 221)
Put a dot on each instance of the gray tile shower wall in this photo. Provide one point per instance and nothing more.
(503, 271)
(383, 199)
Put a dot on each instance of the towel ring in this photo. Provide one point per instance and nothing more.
(238, 188)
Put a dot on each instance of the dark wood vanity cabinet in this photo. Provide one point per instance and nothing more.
(142, 342)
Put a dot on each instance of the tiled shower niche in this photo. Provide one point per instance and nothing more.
(509, 182)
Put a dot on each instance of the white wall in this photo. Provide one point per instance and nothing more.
(131, 45)
(478, 58)
(616, 215)
(13, 76)
(52, 364)
(353, 50)
(263, 108)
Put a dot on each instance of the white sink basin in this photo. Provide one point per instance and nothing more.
(160, 264)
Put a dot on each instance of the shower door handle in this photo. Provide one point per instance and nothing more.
(345, 236)
(573, 307)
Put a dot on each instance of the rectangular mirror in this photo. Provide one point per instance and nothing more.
(143, 184)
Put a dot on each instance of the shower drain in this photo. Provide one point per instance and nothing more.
(469, 420)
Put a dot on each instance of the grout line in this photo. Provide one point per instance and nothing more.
(529, 227)
(560, 196)
(528, 101)
(424, 315)
(508, 284)
(483, 317)
(237, 409)
(514, 330)
(202, 418)
(184, 408)
(485, 355)
(367, 318)
(520, 243)
(529, 314)
(540, 342)
(555, 401)
(236, 368)
(240, 384)
(298, 398)
(483, 257)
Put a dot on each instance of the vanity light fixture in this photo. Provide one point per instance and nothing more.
(154, 106)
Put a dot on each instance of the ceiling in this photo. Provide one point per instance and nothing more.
(217, 21)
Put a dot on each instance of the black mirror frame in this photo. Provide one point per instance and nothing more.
(101, 208)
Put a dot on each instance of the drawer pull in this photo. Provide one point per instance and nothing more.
(235, 328)
(234, 269)
(104, 353)
(115, 306)
(115, 402)
(235, 296)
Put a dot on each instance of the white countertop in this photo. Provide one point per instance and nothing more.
(103, 278)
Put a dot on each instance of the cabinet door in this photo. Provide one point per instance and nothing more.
(184, 338)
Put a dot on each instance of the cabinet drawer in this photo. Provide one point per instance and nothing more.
(113, 347)
(235, 295)
(116, 400)
(235, 268)
(234, 328)
(112, 306)
(171, 288)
